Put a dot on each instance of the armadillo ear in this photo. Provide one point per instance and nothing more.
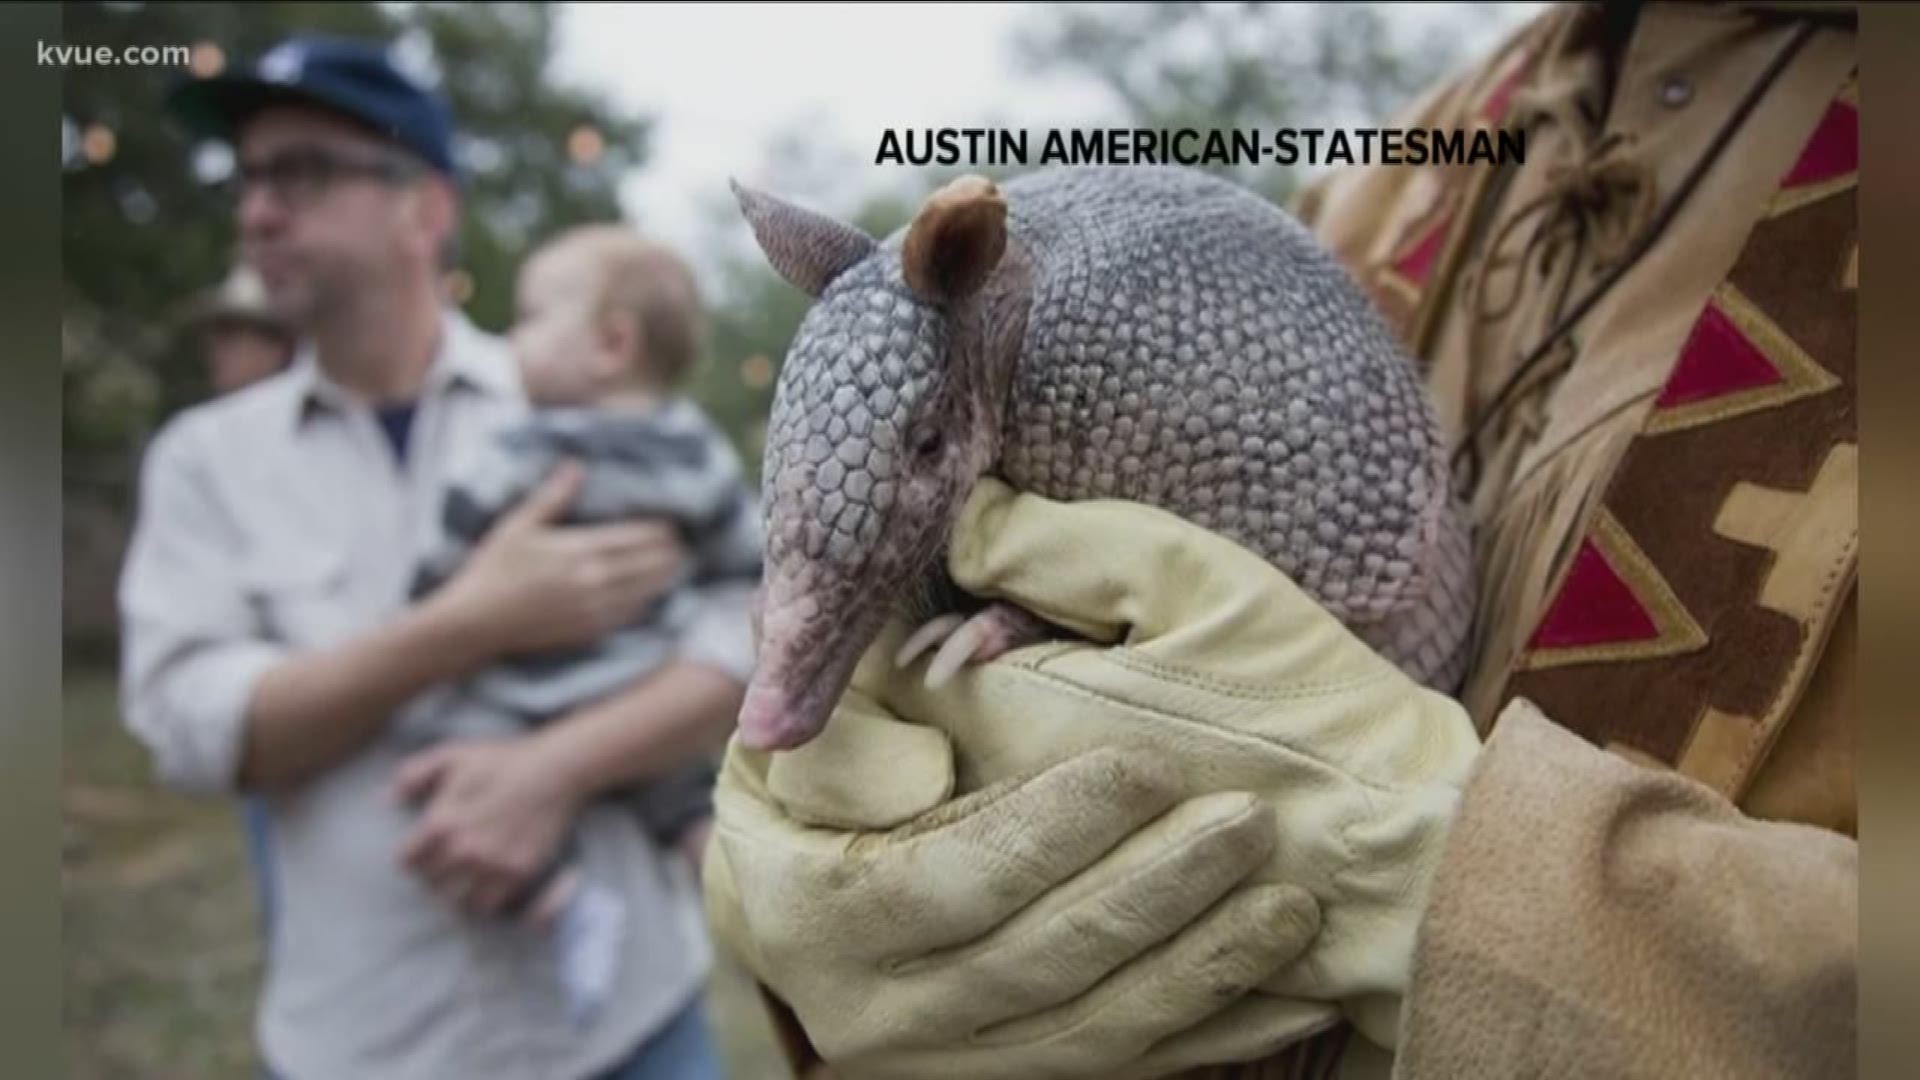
(956, 239)
(808, 249)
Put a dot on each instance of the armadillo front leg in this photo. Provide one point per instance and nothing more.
(998, 628)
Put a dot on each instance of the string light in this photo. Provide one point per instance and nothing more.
(460, 286)
(756, 372)
(585, 145)
(207, 60)
(98, 144)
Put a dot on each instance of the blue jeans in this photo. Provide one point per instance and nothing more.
(253, 819)
(683, 1050)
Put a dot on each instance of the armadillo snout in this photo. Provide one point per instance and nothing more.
(870, 444)
(813, 627)
(768, 720)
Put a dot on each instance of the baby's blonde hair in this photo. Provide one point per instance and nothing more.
(649, 282)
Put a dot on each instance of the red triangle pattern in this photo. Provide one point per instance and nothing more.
(1717, 360)
(1495, 108)
(1417, 263)
(1833, 150)
(1595, 606)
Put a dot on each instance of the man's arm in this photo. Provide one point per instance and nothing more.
(222, 706)
(679, 713)
(527, 586)
(675, 715)
(315, 709)
(495, 812)
(686, 710)
(1593, 917)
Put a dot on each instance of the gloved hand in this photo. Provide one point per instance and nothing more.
(1211, 664)
(1079, 921)
(1223, 667)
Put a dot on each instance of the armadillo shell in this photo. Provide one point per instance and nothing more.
(1191, 346)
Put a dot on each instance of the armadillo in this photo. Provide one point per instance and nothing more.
(1153, 334)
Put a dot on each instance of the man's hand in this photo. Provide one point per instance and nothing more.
(1202, 660)
(531, 586)
(1080, 920)
(496, 811)
(1220, 664)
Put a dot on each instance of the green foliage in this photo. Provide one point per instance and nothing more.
(516, 122)
(1243, 66)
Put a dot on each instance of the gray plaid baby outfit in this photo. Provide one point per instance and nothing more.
(668, 463)
(671, 463)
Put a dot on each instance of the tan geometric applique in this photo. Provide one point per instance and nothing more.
(1612, 605)
(1812, 534)
(1787, 201)
(1829, 163)
(1637, 756)
(1721, 748)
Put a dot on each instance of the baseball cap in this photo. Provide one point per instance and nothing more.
(354, 78)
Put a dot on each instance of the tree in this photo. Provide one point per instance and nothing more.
(1250, 66)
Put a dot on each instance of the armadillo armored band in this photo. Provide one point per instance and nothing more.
(1186, 345)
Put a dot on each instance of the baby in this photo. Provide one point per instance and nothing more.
(608, 326)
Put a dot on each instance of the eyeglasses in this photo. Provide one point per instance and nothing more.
(301, 175)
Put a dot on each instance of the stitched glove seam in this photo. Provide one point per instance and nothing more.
(1345, 773)
(1144, 664)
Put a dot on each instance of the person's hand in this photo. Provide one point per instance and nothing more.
(1083, 920)
(531, 585)
(1220, 670)
(494, 815)
(1222, 666)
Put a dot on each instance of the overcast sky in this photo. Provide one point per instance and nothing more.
(725, 80)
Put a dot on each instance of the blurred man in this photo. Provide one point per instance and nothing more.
(243, 339)
(270, 649)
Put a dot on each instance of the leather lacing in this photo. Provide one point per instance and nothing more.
(1606, 197)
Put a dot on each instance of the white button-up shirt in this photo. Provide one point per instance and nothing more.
(277, 519)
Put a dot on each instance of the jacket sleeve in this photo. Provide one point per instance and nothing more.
(1594, 917)
(191, 650)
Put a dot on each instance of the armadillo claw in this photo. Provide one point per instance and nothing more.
(958, 649)
(990, 632)
(925, 638)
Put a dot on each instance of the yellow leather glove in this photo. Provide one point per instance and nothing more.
(1218, 669)
(1080, 921)
(1223, 667)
